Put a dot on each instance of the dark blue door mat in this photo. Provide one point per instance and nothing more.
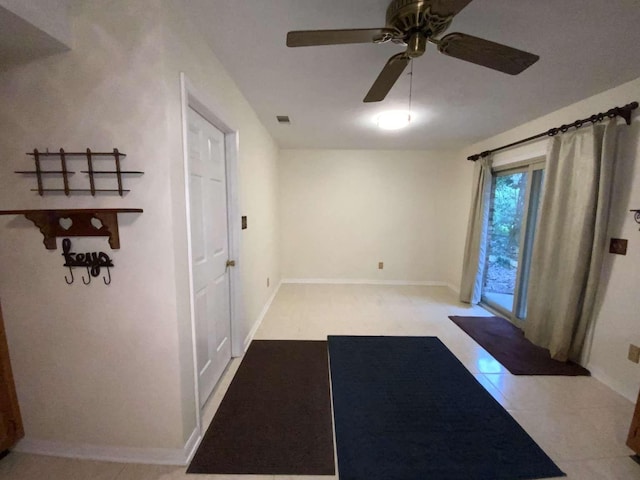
(405, 408)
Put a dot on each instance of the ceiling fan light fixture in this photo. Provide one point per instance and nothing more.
(393, 120)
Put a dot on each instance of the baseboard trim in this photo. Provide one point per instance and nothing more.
(453, 288)
(192, 445)
(364, 281)
(630, 394)
(151, 456)
(260, 318)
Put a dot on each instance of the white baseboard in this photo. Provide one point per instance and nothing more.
(364, 281)
(452, 287)
(260, 318)
(192, 445)
(149, 456)
(630, 393)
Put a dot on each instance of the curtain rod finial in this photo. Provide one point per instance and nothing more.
(626, 111)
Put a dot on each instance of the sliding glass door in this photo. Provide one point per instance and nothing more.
(515, 200)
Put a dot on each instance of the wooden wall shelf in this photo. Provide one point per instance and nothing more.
(76, 223)
(91, 157)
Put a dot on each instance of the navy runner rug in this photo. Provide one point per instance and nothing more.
(405, 408)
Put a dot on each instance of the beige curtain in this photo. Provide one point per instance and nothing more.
(476, 245)
(570, 239)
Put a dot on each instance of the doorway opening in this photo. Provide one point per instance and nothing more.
(515, 203)
(207, 138)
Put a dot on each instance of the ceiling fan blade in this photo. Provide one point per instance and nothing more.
(387, 78)
(487, 54)
(309, 38)
(447, 8)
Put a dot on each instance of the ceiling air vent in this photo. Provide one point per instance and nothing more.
(283, 119)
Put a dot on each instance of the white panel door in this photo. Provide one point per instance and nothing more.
(210, 250)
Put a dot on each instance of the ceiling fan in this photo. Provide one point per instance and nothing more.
(414, 23)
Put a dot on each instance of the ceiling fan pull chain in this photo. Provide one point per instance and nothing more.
(410, 88)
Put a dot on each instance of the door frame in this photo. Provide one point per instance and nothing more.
(528, 166)
(191, 97)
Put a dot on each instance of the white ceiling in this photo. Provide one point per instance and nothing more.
(33, 29)
(586, 47)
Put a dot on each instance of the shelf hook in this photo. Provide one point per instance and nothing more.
(89, 275)
(109, 275)
(72, 279)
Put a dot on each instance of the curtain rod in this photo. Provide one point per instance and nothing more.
(624, 112)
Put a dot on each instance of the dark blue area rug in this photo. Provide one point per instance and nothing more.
(406, 409)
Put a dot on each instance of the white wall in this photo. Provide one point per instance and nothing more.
(343, 211)
(107, 372)
(617, 323)
(93, 365)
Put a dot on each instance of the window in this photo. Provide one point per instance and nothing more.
(515, 201)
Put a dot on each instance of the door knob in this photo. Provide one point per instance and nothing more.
(231, 263)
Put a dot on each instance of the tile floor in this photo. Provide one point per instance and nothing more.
(579, 422)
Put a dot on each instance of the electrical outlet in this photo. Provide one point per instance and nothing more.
(634, 353)
(380, 265)
(268, 282)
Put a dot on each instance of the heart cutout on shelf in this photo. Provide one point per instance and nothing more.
(97, 224)
(65, 223)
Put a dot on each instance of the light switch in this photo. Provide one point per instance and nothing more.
(618, 246)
